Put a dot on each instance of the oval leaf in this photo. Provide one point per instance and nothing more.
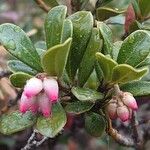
(15, 121)
(82, 27)
(144, 7)
(95, 124)
(19, 79)
(54, 60)
(137, 88)
(78, 107)
(51, 126)
(106, 34)
(107, 64)
(18, 66)
(14, 39)
(85, 94)
(54, 25)
(88, 60)
(135, 48)
(124, 73)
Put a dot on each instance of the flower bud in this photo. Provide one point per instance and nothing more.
(129, 100)
(112, 110)
(123, 113)
(51, 89)
(44, 104)
(33, 87)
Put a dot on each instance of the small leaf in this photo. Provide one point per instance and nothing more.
(95, 124)
(51, 126)
(137, 88)
(82, 27)
(106, 34)
(67, 30)
(16, 42)
(54, 60)
(103, 13)
(54, 24)
(18, 66)
(135, 48)
(85, 94)
(41, 52)
(88, 60)
(107, 64)
(125, 73)
(144, 7)
(78, 107)
(15, 121)
(19, 79)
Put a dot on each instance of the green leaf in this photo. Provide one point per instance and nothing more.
(85, 94)
(103, 13)
(54, 60)
(144, 7)
(135, 48)
(137, 88)
(95, 124)
(88, 60)
(41, 45)
(78, 107)
(41, 52)
(144, 63)
(15, 121)
(51, 3)
(135, 25)
(116, 49)
(51, 126)
(125, 73)
(19, 79)
(106, 34)
(67, 30)
(107, 64)
(15, 40)
(82, 27)
(54, 24)
(18, 66)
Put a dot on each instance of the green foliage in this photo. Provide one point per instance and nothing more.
(52, 125)
(95, 124)
(13, 122)
(144, 7)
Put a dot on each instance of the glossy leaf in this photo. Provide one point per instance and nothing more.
(13, 122)
(95, 124)
(103, 13)
(88, 60)
(135, 48)
(19, 79)
(15, 40)
(107, 64)
(54, 60)
(52, 125)
(144, 7)
(125, 73)
(137, 88)
(106, 34)
(78, 107)
(67, 30)
(54, 24)
(82, 27)
(18, 66)
(85, 94)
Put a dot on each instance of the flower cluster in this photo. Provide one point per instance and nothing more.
(38, 95)
(121, 106)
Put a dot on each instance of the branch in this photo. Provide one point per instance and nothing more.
(42, 5)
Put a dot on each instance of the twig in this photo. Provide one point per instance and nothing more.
(42, 5)
(5, 73)
(136, 132)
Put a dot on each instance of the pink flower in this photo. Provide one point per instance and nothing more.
(51, 89)
(123, 113)
(112, 110)
(129, 101)
(33, 87)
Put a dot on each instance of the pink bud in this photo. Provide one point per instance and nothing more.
(44, 105)
(51, 89)
(129, 100)
(33, 87)
(123, 113)
(112, 110)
